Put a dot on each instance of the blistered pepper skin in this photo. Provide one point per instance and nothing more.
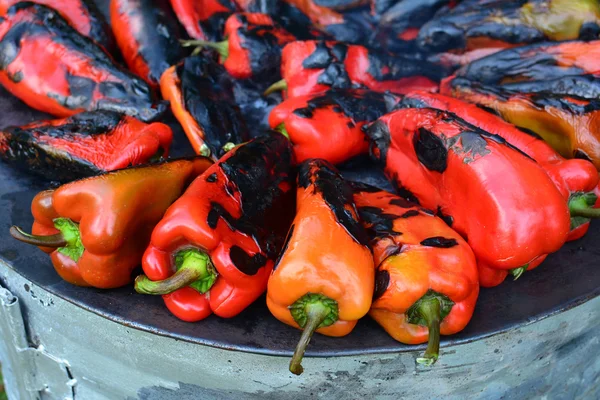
(329, 125)
(113, 217)
(227, 214)
(415, 252)
(83, 15)
(201, 96)
(204, 19)
(460, 171)
(76, 74)
(148, 35)
(83, 145)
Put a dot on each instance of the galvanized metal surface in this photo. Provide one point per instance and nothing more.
(555, 358)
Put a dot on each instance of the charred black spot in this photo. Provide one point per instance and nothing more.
(339, 51)
(470, 144)
(350, 124)
(439, 241)
(16, 77)
(285, 246)
(398, 67)
(589, 31)
(382, 281)
(410, 213)
(214, 214)
(363, 187)
(336, 193)
(400, 202)
(380, 140)
(320, 58)
(81, 90)
(431, 150)
(446, 218)
(212, 178)
(378, 223)
(305, 112)
(246, 263)
(263, 50)
(580, 154)
(335, 75)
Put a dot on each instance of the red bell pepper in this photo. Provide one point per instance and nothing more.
(203, 19)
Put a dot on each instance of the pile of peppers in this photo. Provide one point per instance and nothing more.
(482, 114)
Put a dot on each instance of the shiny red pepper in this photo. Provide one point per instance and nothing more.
(203, 19)
(214, 250)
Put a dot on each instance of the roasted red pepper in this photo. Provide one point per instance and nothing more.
(252, 47)
(324, 278)
(83, 145)
(148, 35)
(574, 178)
(329, 125)
(213, 251)
(83, 15)
(54, 69)
(202, 100)
(426, 279)
(203, 19)
(259, 6)
(97, 229)
(315, 66)
(462, 172)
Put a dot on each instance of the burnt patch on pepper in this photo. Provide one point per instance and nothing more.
(439, 241)
(431, 150)
(411, 213)
(448, 219)
(382, 281)
(212, 178)
(246, 263)
(285, 246)
(378, 224)
(380, 140)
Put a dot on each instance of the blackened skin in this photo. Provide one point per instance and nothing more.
(380, 140)
(363, 187)
(100, 31)
(128, 95)
(359, 105)
(431, 150)
(439, 241)
(407, 13)
(246, 263)
(379, 224)
(285, 246)
(382, 281)
(263, 49)
(208, 97)
(27, 149)
(446, 218)
(298, 24)
(340, 4)
(589, 31)
(270, 7)
(336, 193)
(398, 67)
(158, 35)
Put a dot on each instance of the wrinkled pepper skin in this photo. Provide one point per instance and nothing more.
(572, 177)
(329, 125)
(461, 172)
(419, 258)
(107, 220)
(83, 15)
(315, 66)
(203, 19)
(565, 112)
(201, 97)
(223, 218)
(148, 35)
(259, 6)
(54, 69)
(476, 24)
(324, 277)
(83, 145)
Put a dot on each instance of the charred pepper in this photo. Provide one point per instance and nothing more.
(315, 66)
(316, 286)
(148, 35)
(97, 229)
(329, 125)
(83, 145)
(54, 69)
(202, 100)
(259, 6)
(83, 15)
(213, 251)
(426, 279)
(203, 19)
(461, 171)
(575, 179)
(252, 47)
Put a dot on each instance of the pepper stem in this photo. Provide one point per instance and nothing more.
(311, 311)
(517, 272)
(56, 240)
(281, 129)
(430, 310)
(194, 269)
(221, 47)
(581, 205)
(277, 86)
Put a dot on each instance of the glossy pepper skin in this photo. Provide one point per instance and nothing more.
(203, 19)
(476, 24)
(201, 96)
(97, 229)
(83, 145)
(329, 125)
(461, 172)
(426, 280)
(252, 48)
(312, 66)
(214, 249)
(148, 35)
(83, 15)
(323, 280)
(54, 69)
(575, 178)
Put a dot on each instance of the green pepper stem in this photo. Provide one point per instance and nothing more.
(221, 47)
(582, 205)
(281, 129)
(194, 269)
(430, 310)
(56, 240)
(585, 212)
(316, 313)
(277, 86)
(517, 272)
